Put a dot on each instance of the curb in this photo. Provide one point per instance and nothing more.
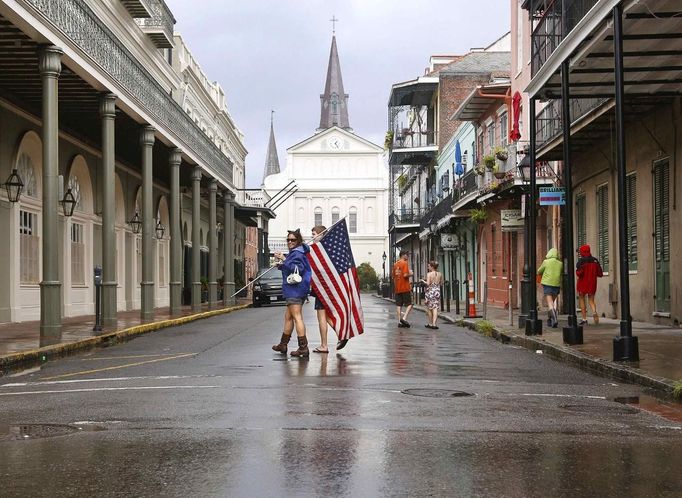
(39, 355)
(565, 354)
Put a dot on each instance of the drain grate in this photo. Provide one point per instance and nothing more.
(601, 409)
(436, 393)
(39, 431)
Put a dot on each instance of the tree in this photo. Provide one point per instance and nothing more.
(367, 276)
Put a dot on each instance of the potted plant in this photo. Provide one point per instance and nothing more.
(489, 161)
(501, 153)
(499, 174)
(388, 141)
(402, 181)
(478, 215)
(479, 170)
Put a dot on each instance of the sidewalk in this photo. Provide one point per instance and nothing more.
(20, 342)
(660, 348)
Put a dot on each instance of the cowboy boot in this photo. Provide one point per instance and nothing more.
(302, 350)
(282, 346)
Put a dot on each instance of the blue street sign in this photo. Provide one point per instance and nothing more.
(552, 196)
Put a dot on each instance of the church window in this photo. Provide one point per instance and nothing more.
(335, 214)
(353, 220)
(318, 216)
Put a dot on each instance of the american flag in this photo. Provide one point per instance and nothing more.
(335, 280)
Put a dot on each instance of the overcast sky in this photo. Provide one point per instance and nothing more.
(273, 54)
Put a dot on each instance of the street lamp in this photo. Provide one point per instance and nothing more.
(68, 203)
(14, 186)
(383, 264)
(524, 170)
(160, 229)
(136, 223)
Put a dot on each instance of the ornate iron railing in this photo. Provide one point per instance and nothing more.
(465, 185)
(551, 25)
(549, 124)
(75, 20)
(162, 18)
(406, 216)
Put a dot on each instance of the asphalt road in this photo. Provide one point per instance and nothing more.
(207, 409)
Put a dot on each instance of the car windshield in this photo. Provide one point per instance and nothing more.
(275, 274)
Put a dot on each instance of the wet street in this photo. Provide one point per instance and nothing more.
(207, 409)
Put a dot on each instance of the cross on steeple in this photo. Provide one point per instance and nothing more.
(333, 20)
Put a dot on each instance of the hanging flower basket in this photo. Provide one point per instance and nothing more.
(478, 215)
(489, 161)
(501, 153)
(499, 174)
(479, 170)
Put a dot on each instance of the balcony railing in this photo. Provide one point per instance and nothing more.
(407, 216)
(465, 185)
(77, 22)
(549, 124)
(408, 139)
(553, 25)
(158, 27)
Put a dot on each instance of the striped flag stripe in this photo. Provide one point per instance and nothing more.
(330, 286)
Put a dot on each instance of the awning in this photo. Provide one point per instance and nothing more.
(474, 105)
(403, 238)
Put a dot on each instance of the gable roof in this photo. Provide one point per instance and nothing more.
(328, 131)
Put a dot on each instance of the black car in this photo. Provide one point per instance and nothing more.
(267, 289)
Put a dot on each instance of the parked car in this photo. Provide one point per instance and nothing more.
(267, 289)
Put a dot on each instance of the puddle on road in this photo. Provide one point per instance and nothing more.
(22, 432)
(669, 411)
(436, 393)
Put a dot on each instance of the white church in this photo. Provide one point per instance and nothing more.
(337, 173)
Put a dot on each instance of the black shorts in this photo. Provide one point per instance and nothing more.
(318, 304)
(403, 299)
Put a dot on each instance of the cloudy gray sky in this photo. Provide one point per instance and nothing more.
(273, 54)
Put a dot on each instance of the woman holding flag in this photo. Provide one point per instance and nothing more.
(317, 233)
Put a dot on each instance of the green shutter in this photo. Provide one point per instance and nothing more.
(603, 226)
(631, 200)
(581, 229)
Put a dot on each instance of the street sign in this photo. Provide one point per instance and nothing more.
(552, 196)
(512, 220)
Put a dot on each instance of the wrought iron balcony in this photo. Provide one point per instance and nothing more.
(553, 20)
(406, 216)
(137, 8)
(76, 21)
(158, 27)
(549, 124)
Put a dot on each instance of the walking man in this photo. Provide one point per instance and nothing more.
(403, 295)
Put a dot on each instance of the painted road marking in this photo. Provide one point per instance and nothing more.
(83, 372)
(96, 389)
(100, 358)
(111, 379)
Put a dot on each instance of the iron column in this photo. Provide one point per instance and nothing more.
(107, 112)
(573, 333)
(533, 325)
(196, 242)
(148, 216)
(212, 244)
(228, 248)
(50, 65)
(174, 160)
(625, 346)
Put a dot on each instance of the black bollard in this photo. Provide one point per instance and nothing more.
(98, 299)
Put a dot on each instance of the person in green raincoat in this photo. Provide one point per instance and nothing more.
(551, 270)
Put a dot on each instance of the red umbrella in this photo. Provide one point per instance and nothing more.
(516, 108)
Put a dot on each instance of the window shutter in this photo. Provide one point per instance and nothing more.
(603, 226)
(631, 199)
(662, 218)
(581, 235)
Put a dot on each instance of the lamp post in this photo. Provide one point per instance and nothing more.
(14, 186)
(383, 264)
(533, 325)
(160, 230)
(524, 170)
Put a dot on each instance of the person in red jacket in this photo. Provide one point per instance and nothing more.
(588, 270)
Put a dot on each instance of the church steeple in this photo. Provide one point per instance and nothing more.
(334, 101)
(271, 158)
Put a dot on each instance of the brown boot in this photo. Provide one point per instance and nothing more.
(302, 350)
(282, 346)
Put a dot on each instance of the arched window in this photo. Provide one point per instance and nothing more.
(353, 220)
(318, 216)
(27, 175)
(335, 214)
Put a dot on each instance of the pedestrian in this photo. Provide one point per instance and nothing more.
(403, 295)
(588, 270)
(433, 281)
(550, 272)
(322, 320)
(295, 288)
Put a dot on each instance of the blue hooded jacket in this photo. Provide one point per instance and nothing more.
(296, 259)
